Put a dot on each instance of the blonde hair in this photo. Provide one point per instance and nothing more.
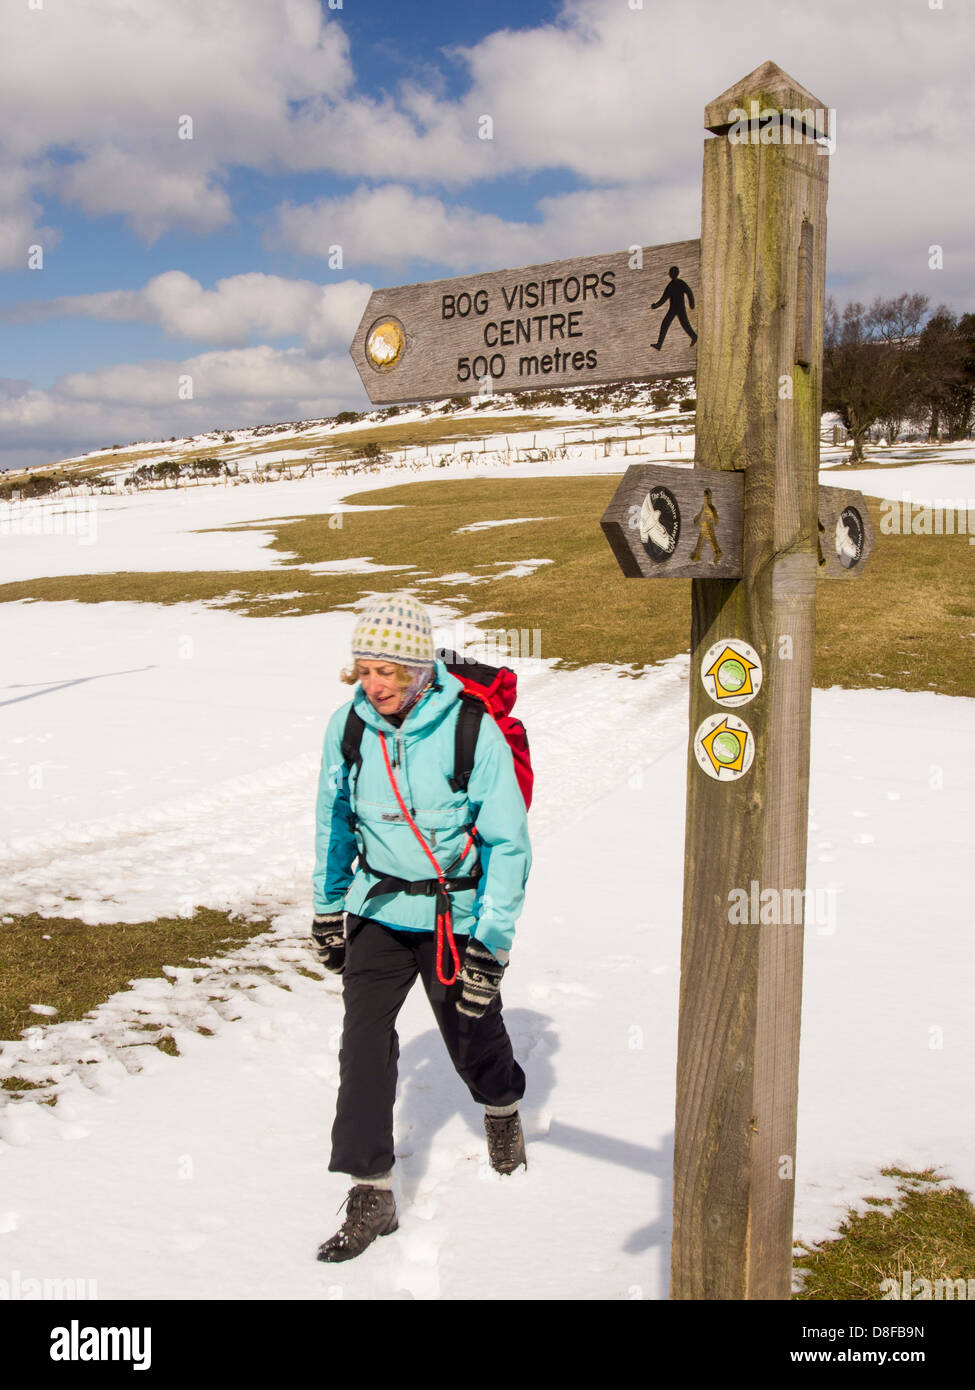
(350, 675)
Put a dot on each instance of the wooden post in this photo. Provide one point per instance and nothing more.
(758, 394)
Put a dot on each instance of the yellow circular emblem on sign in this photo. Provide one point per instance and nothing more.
(385, 344)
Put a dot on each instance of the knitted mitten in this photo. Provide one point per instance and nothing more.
(329, 933)
(480, 979)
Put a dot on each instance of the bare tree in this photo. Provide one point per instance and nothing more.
(897, 321)
(870, 363)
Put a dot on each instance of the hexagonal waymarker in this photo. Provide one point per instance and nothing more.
(676, 523)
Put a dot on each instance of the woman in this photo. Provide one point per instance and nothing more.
(437, 888)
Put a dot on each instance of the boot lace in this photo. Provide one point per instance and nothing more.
(505, 1131)
(360, 1205)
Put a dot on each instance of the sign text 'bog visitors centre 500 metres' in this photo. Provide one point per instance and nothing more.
(629, 315)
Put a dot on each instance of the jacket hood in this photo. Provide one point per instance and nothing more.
(431, 708)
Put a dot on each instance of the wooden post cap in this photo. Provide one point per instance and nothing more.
(770, 89)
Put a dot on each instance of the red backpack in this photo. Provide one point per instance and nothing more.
(494, 689)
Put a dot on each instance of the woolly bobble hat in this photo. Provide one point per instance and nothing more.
(394, 627)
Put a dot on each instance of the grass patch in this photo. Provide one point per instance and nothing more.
(908, 622)
(214, 586)
(931, 1232)
(79, 966)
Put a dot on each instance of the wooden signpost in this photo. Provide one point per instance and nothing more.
(580, 322)
(763, 250)
(753, 530)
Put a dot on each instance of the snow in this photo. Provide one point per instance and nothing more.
(361, 565)
(154, 759)
(506, 521)
(930, 484)
(522, 568)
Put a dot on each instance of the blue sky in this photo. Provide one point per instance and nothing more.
(357, 126)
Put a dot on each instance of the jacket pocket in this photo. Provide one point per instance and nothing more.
(391, 847)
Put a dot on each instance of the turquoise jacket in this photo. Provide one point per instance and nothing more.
(421, 752)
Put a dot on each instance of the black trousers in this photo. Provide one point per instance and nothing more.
(381, 966)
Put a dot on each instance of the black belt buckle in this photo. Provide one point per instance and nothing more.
(424, 887)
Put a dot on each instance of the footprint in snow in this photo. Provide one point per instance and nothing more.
(424, 1208)
(420, 1248)
(417, 1275)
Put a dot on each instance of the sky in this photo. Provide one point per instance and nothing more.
(210, 192)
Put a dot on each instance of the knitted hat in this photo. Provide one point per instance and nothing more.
(395, 627)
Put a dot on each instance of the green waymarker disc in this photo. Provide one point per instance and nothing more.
(731, 675)
(731, 672)
(726, 747)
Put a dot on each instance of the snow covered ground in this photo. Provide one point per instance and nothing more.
(154, 759)
(931, 475)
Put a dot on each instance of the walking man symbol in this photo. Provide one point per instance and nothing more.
(675, 294)
(706, 519)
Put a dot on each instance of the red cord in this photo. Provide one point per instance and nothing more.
(444, 922)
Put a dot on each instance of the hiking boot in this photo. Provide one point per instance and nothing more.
(506, 1142)
(369, 1212)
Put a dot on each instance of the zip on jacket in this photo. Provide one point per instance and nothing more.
(422, 753)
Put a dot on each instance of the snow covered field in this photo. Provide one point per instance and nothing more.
(154, 759)
(941, 475)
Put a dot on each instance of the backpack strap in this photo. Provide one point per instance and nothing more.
(352, 744)
(469, 718)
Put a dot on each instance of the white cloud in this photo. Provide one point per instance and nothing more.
(237, 309)
(614, 95)
(19, 213)
(256, 373)
(141, 401)
(392, 225)
(107, 82)
(617, 95)
(154, 196)
(122, 73)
